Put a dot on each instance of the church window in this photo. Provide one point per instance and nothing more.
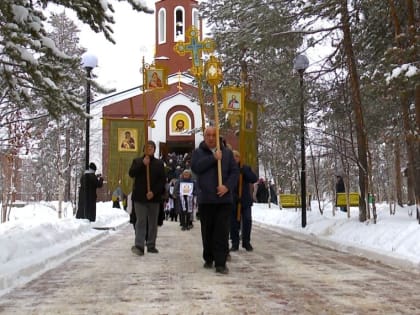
(179, 24)
(195, 19)
(162, 26)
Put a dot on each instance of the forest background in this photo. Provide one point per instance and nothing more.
(361, 99)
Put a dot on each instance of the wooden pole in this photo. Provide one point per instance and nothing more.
(241, 183)
(201, 100)
(242, 154)
(145, 120)
(216, 123)
(214, 77)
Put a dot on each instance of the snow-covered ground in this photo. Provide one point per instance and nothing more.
(35, 239)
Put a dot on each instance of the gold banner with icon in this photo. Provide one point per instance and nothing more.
(248, 145)
(126, 141)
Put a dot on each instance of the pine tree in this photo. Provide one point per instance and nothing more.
(24, 42)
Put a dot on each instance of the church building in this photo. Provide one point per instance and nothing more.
(166, 110)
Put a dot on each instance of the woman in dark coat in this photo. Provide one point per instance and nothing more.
(89, 182)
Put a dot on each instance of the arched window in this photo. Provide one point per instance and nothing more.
(195, 19)
(179, 28)
(162, 26)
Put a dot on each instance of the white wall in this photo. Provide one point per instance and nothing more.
(158, 134)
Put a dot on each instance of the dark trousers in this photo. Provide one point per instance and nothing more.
(147, 222)
(246, 225)
(215, 221)
(235, 225)
(173, 214)
(185, 218)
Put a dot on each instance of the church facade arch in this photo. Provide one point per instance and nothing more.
(162, 109)
(168, 112)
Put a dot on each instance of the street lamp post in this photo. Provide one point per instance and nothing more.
(89, 62)
(300, 64)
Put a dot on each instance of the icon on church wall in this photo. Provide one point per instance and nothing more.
(155, 78)
(127, 139)
(179, 124)
(233, 98)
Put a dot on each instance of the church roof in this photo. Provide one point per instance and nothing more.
(175, 78)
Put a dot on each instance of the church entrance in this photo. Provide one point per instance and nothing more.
(177, 147)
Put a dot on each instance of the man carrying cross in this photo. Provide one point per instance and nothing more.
(215, 200)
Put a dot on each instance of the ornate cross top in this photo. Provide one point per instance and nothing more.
(195, 47)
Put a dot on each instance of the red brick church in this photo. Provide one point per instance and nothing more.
(171, 112)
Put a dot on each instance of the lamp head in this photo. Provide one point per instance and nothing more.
(89, 61)
(300, 63)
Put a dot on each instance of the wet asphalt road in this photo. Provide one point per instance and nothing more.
(283, 275)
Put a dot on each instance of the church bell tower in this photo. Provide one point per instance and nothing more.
(173, 19)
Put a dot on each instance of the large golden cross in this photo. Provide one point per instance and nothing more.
(195, 47)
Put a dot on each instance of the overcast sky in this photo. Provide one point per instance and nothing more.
(119, 64)
(134, 33)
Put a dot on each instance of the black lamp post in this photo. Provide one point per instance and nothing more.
(89, 62)
(300, 64)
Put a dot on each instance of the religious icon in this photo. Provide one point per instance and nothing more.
(249, 120)
(233, 98)
(186, 188)
(179, 124)
(233, 102)
(127, 139)
(155, 78)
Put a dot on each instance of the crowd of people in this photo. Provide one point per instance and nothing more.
(211, 184)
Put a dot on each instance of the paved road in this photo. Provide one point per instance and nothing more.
(281, 276)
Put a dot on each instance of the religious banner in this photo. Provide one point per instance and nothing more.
(155, 78)
(233, 98)
(249, 145)
(126, 141)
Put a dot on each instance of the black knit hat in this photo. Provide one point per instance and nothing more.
(92, 166)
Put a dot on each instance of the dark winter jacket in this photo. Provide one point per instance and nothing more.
(204, 166)
(262, 192)
(339, 186)
(248, 177)
(157, 179)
